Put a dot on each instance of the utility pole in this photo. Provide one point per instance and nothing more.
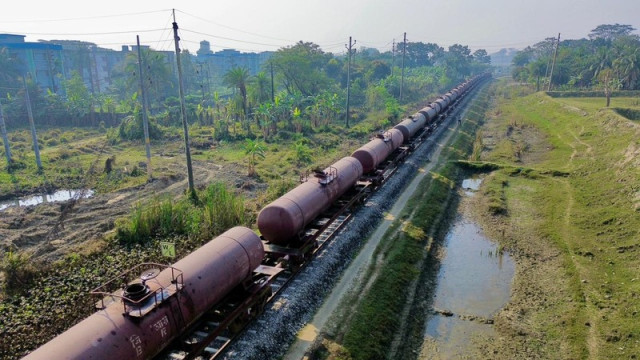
(273, 99)
(34, 136)
(349, 78)
(201, 81)
(183, 110)
(404, 52)
(555, 56)
(546, 71)
(5, 139)
(145, 118)
(393, 55)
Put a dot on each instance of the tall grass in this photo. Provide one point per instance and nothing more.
(163, 217)
(221, 209)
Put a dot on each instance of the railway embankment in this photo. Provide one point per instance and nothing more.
(377, 303)
(269, 336)
(562, 196)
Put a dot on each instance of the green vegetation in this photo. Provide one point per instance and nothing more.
(371, 328)
(218, 209)
(572, 223)
(607, 61)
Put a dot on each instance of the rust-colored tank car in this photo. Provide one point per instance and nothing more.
(430, 113)
(443, 104)
(408, 127)
(450, 96)
(375, 151)
(280, 221)
(208, 274)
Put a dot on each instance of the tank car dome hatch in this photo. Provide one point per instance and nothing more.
(135, 292)
(377, 150)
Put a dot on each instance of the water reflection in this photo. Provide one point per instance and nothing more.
(473, 284)
(60, 195)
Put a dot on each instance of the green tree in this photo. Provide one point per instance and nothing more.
(255, 150)
(421, 54)
(238, 78)
(301, 68)
(481, 56)
(79, 99)
(261, 89)
(610, 32)
(608, 82)
(302, 152)
(457, 60)
(157, 77)
(627, 62)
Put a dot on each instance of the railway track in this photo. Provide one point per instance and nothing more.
(210, 338)
(230, 280)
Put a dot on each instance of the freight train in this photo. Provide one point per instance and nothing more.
(218, 288)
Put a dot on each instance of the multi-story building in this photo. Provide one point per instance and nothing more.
(224, 60)
(43, 62)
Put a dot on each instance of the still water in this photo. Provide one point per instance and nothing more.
(60, 195)
(473, 284)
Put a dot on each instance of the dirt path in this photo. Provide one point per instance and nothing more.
(44, 233)
(356, 272)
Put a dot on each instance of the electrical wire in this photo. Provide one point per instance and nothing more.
(86, 18)
(232, 28)
(95, 34)
(230, 39)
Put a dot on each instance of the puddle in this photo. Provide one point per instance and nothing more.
(470, 186)
(474, 282)
(60, 195)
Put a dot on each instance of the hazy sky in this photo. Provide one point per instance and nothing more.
(253, 25)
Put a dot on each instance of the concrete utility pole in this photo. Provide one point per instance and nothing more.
(201, 73)
(145, 118)
(34, 136)
(183, 110)
(349, 78)
(273, 97)
(393, 55)
(404, 52)
(5, 138)
(555, 56)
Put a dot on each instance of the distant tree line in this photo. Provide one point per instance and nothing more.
(608, 59)
(300, 88)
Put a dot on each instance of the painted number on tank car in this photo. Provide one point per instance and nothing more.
(161, 326)
(136, 342)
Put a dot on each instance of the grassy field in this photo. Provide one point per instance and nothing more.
(565, 202)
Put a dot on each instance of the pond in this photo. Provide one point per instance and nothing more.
(60, 195)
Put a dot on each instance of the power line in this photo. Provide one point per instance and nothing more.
(232, 28)
(231, 39)
(168, 37)
(86, 18)
(94, 34)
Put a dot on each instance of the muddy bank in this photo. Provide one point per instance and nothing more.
(49, 231)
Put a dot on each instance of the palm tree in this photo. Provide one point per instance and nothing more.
(627, 64)
(238, 77)
(254, 149)
(262, 88)
(157, 76)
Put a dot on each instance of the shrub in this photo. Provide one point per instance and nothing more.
(217, 210)
(18, 270)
